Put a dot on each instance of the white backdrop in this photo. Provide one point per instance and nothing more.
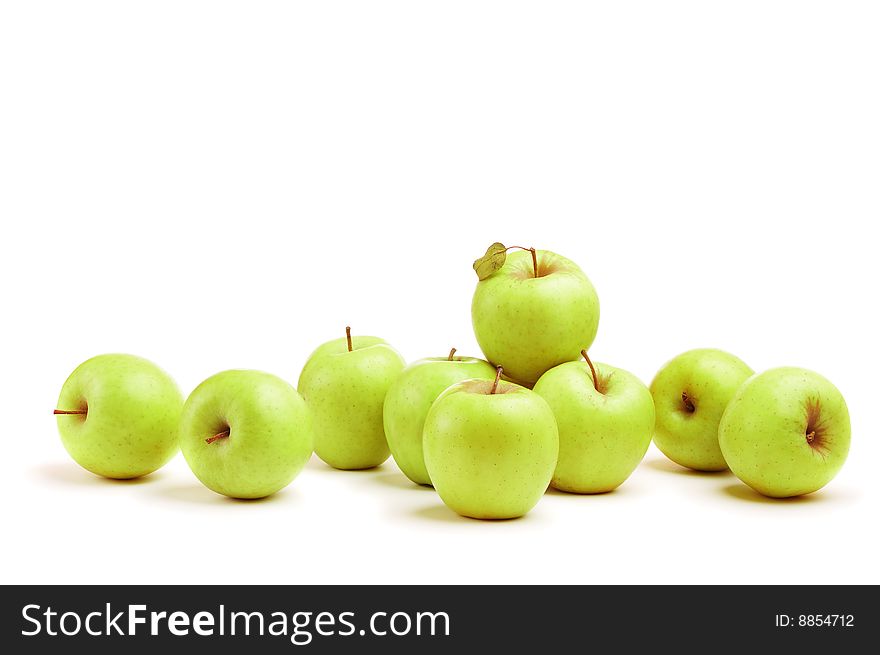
(228, 184)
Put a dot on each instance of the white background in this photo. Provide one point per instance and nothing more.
(216, 184)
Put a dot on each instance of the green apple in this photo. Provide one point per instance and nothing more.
(533, 314)
(786, 432)
(690, 393)
(411, 396)
(245, 434)
(344, 383)
(490, 448)
(118, 416)
(605, 418)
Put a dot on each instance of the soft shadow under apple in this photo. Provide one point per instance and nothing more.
(440, 512)
(71, 474)
(317, 464)
(400, 481)
(614, 493)
(668, 466)
(200, 495)
(741, 492)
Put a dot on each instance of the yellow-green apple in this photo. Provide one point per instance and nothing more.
(786, 432)
(245, 434)
(344, 383)
(605, 417)
(535, 312)
(118, 416)
(690, 393)
(490, 448)
(411, 396)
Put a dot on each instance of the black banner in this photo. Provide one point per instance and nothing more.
(286, 619)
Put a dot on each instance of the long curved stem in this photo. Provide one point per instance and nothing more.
(592, 370)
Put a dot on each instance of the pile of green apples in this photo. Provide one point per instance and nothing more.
(490, 435)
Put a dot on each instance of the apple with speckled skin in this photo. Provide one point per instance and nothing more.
(490, 448)
(118, 416)
(786, 432)
(605, 417)
(344, 383)
(536, 312)
(411, 396)
(245, 434)
(690, 394)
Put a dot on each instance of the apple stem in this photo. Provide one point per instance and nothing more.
(534, 256)
(348, 336)
(811, 436)
(497, 378)
(218, 436)
(592, 370)
(71, 411)
(451, 353)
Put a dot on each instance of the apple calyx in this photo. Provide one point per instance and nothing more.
(60, 412)
(494, 388)
(496, 255)
(218, 436)
(815, 432)
(348, 336)
(688, 403)
(451, 354)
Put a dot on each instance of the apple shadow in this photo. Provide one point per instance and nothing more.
(668, 466)
(317, 464)
(400, 481)
(744, 492)
(74, 475)
(553, 491)
(438, 512)
(200, 495)
(441, 513)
